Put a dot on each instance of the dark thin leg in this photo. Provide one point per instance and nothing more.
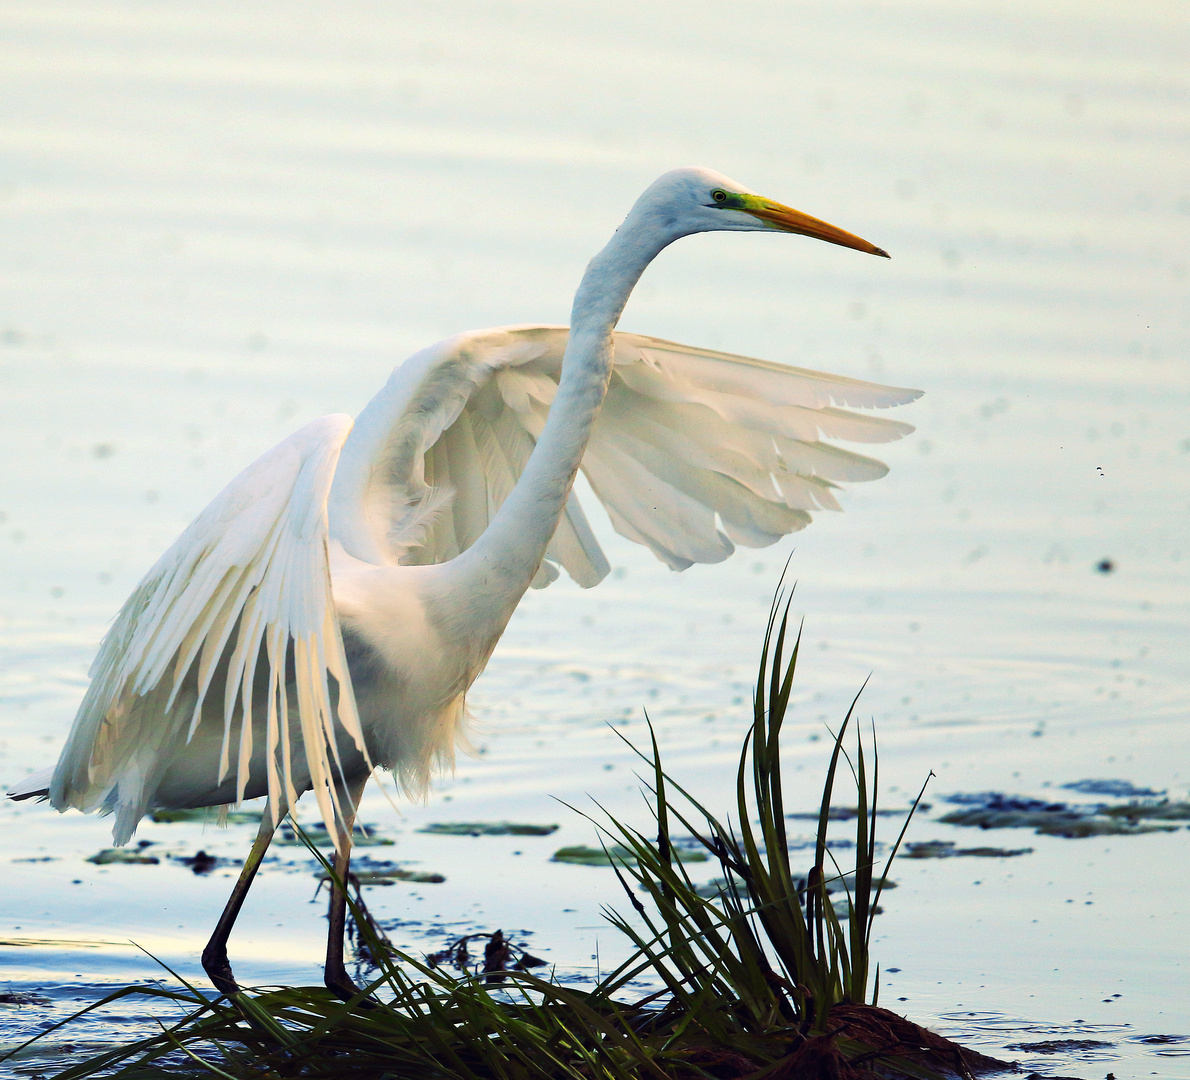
(336, 976)
(214, 956)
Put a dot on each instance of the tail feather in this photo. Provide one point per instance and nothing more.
(34, 786)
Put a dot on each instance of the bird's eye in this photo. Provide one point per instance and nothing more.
(719, 195)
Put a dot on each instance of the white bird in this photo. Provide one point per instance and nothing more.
(327, 612)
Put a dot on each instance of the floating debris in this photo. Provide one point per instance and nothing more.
(1061, 1046)
(486, 828)
(361, 836)
(217, 814)
(718, 885)
(200, 862)
(581, 855)
(1080, 830)
(19, 997)
(842, 909)
(381, 874)
(131, 856)
(850, 813)
(844, 883)
(848, 882)
(994, 810)
(947, 849)
(1009, 804)
(712, 889)
(1152, 811)
(1115, 789)
(499, 955)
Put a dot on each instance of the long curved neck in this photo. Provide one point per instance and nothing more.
(493, 574)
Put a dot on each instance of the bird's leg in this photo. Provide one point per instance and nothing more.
(214, 956)
(336, 976)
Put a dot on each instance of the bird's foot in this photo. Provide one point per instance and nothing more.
(218, 969)
(339, 983)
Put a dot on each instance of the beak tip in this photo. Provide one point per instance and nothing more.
(882, 253)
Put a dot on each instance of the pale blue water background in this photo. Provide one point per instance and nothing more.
(218, 221)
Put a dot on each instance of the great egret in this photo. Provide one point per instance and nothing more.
(327, 612)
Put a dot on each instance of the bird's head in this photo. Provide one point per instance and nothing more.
(691, 200)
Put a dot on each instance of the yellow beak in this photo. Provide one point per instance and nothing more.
(787, 219)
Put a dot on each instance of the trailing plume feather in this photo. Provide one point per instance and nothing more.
(246, 585)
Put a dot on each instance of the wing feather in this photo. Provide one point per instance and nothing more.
(252, 566)
(741, 376)
(695, 450)
(469, 507)
(679, 528)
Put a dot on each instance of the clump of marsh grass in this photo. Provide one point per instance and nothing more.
(770, 942)
(762, 979)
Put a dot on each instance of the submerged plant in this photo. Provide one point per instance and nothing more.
(760, 979)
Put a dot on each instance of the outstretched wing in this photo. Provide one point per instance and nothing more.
(695, 451)
(245, 588)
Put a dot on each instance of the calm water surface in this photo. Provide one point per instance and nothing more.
(220, 222)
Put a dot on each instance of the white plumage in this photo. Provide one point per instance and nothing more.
(329, 609)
